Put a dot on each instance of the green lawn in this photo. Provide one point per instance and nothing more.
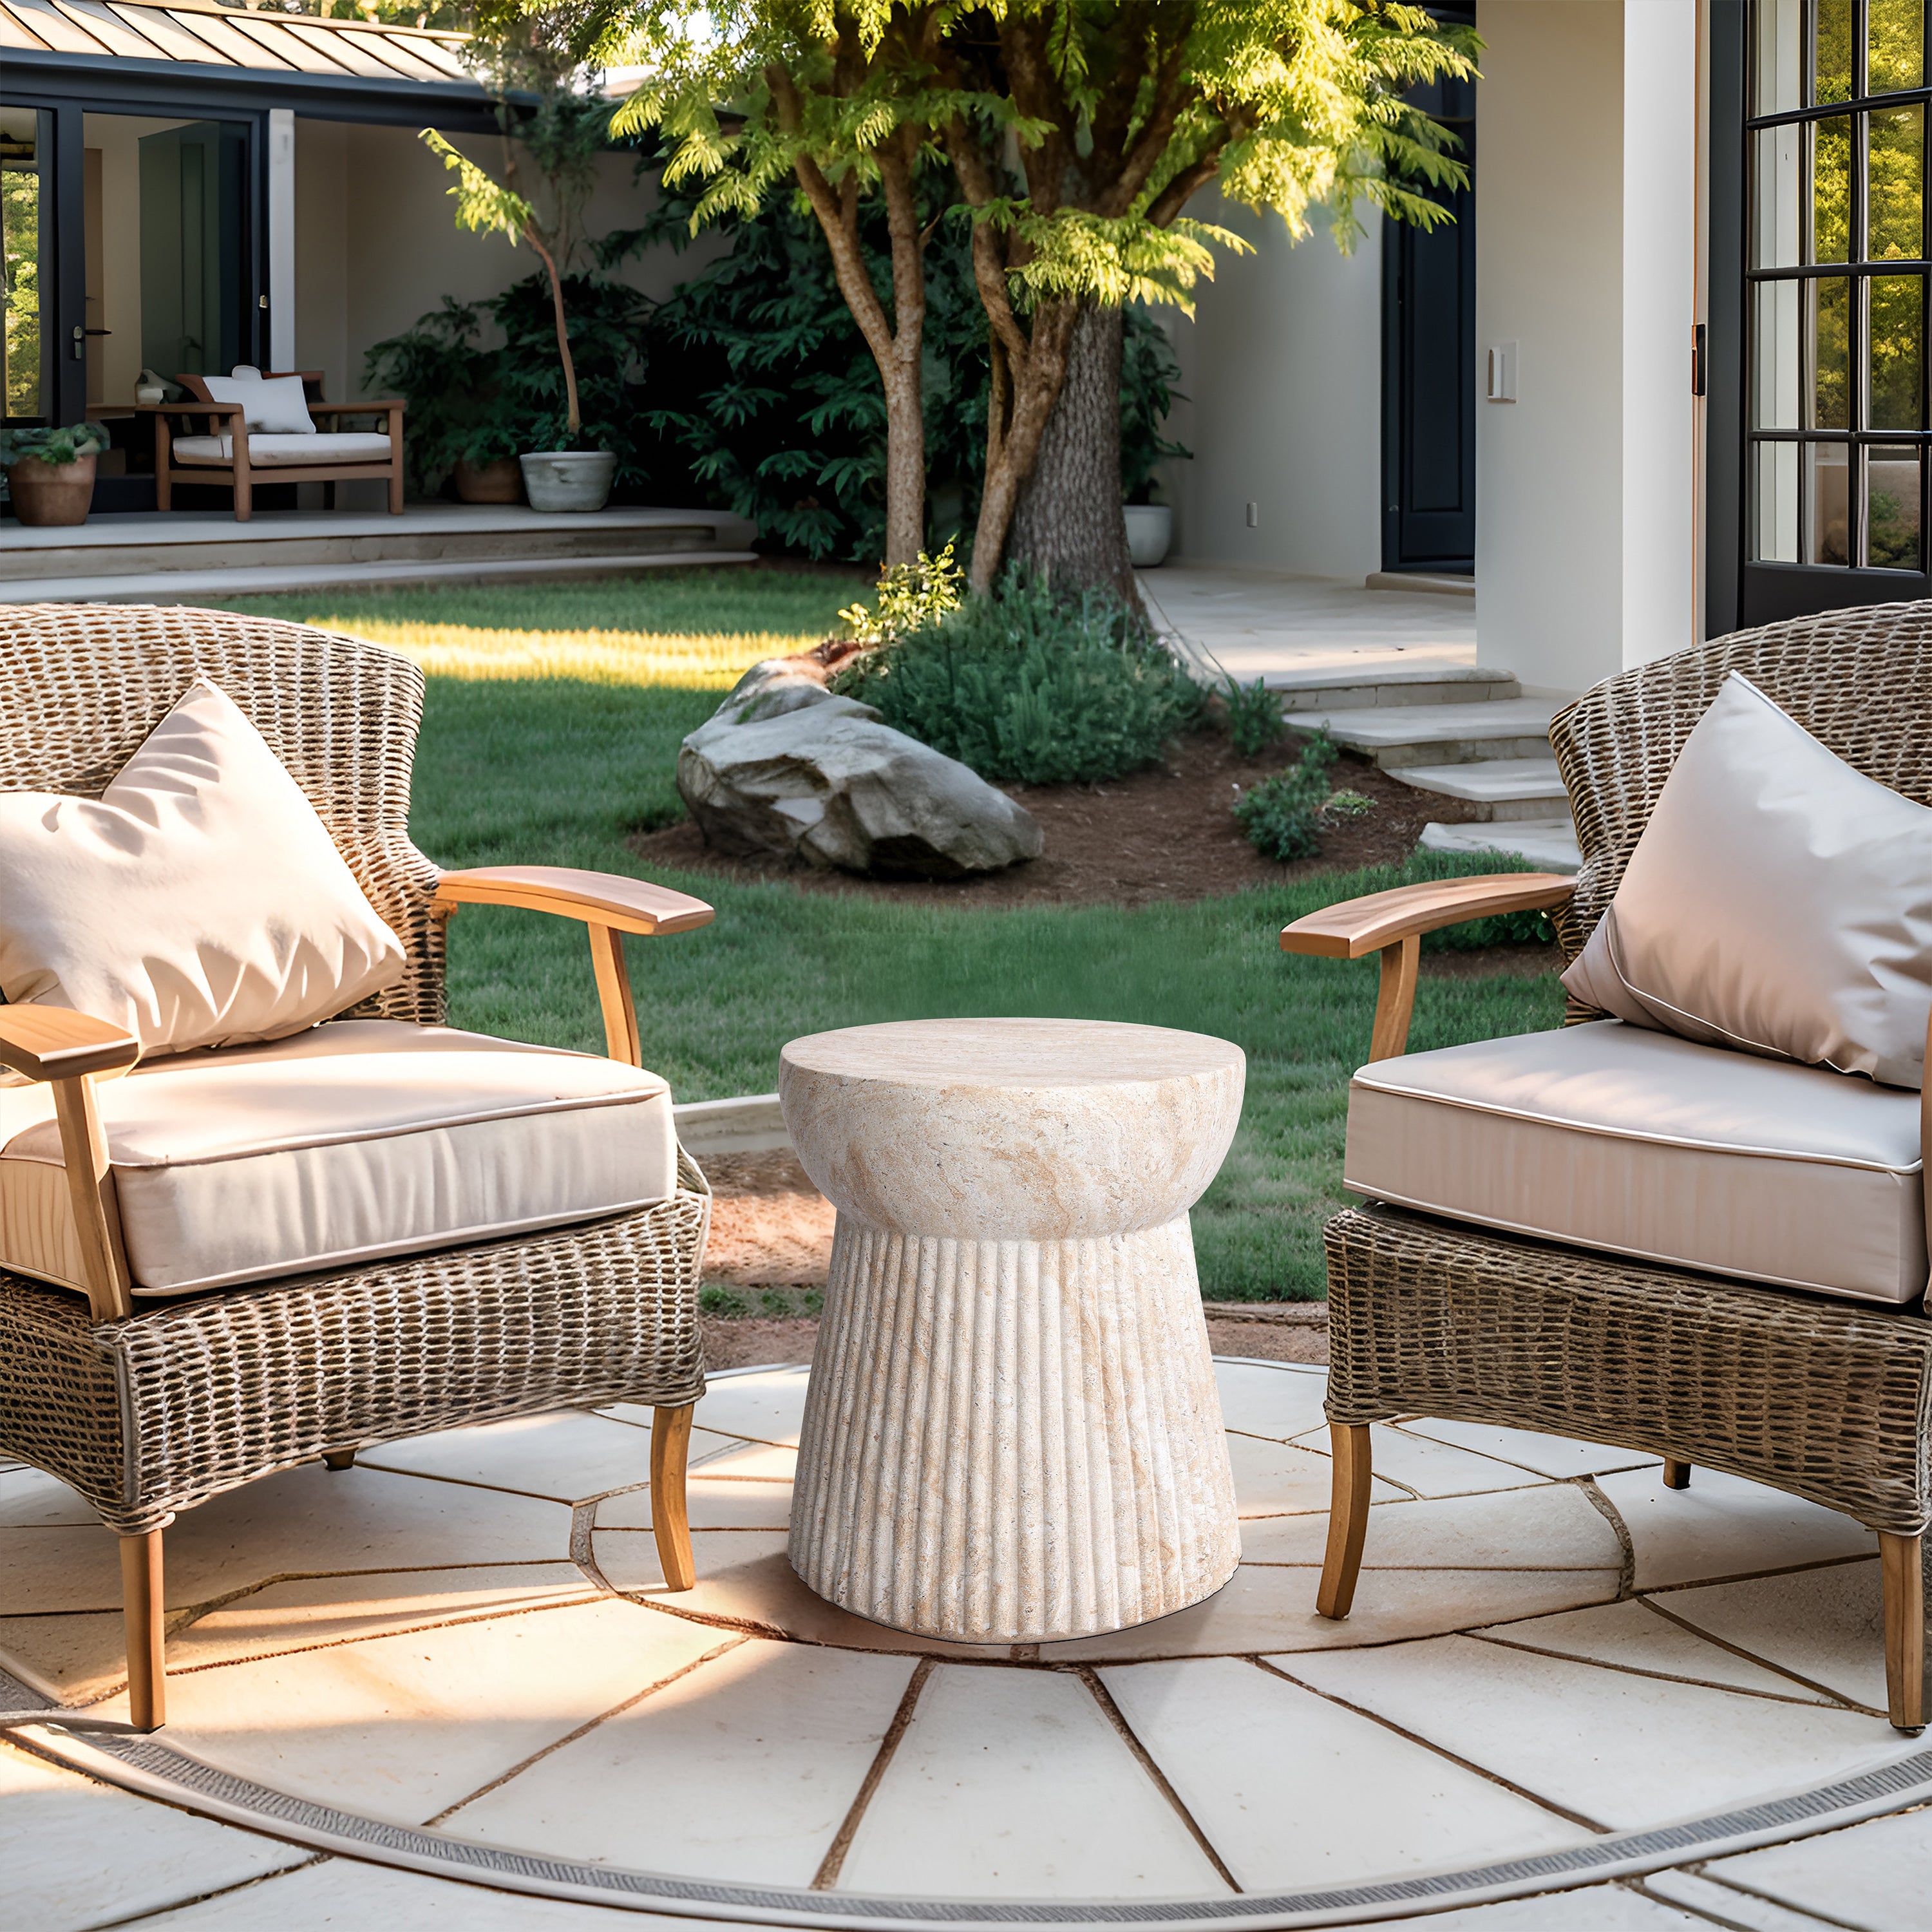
(554, 714)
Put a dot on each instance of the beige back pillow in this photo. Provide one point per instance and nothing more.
(199, 902)
(1777, 901)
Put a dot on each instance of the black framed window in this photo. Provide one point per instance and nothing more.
(1836, 467)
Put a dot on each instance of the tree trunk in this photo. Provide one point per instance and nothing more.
(1067, 525)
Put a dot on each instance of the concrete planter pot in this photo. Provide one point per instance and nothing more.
(48, 495)
(501, 481)
(567, 479)
(1150, 532)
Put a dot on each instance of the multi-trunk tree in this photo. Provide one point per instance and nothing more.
(1078, 131)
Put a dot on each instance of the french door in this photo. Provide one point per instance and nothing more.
(1834, 491)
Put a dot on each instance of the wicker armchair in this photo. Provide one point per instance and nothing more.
(148, 1407)
(1825, 1398)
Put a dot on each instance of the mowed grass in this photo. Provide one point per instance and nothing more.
(551, 736)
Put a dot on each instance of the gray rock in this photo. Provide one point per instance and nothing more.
(785, 766)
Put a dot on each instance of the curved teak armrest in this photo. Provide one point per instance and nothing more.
(62, 1047)
(609, 906)
(57, 1043)
(1392, 924)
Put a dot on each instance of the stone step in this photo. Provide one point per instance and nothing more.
(1497, 788)
(1548, 843)
(1441, 584)
(1374, 685)
(149, 544)
(1397, 735)
(195, 587)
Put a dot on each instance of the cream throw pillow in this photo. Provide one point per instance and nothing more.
(1777, 901)
(199, 902)
(271, 405)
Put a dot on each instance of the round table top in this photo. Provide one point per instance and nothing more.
(1012, 1129)
(1027, 1053)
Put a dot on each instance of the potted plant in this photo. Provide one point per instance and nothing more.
(50, 472)
(562, 134)
(1148, 373)
(463, 425)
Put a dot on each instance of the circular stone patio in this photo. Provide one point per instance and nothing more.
(458, 1659)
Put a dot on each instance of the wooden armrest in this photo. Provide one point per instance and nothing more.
(56, 1043)
(1392, 924)
(59, 1045)
(357, 409)
(1358, 926)
(610, 906)
(192, 409)
(598, 898)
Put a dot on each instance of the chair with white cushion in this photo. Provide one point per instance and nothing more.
(1697, 1229)
(259, 1203)
(250, 427)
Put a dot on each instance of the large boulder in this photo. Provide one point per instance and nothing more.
(783, 766)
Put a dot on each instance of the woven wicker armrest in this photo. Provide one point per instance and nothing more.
(1392, 924)
(56, 1043)
(609, 905)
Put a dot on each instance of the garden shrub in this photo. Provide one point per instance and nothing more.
(1283, 815)
(1253, 716)
(1027, 683)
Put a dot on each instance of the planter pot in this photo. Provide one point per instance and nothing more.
(501, 481)
(50, 495)
(1150, 531)
(567, 479)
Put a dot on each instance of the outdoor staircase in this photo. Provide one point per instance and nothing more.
(1464, 732)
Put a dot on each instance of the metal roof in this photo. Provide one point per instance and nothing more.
(200, 34)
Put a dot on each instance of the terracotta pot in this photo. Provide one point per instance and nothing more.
(49, 495)
(501, 481)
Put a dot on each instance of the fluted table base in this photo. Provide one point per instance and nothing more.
(1013, 1440)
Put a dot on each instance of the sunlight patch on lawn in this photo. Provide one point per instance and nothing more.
(692, 663)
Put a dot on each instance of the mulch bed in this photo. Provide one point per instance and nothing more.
(1167, 832)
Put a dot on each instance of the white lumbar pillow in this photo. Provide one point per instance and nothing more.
(199, 902)
(276, 406)
(1778, 900)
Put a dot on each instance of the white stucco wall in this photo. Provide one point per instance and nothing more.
(1282, 367)
(1586, 258)
(377, 243)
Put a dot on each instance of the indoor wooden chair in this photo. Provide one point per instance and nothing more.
(187, 438)
(1823, 1397)
(149, 1407)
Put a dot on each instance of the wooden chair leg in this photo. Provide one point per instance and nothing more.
(670, 1521)
(338, 1459)
(1676, 1474)
(1901, 1557)
(143, 1609)
(1348, 1517)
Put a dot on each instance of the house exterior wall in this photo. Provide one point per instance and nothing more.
(1586, 258)
(1282, 369)
(377, 243)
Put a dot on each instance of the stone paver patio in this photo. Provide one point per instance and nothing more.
(1568, 1698)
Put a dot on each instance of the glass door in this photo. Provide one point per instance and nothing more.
(26, 226)
(1835, 319)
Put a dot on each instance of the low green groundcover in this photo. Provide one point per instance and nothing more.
(547, 745)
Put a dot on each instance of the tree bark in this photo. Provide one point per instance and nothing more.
(1067, 524)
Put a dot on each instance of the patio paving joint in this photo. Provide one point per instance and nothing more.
(833, 1862)
(584, 1730)
(1826, 1701)
(1801, 1912)
(150, 1913)
(1112, 1712)
(1837, 1698)
(1612, 1515)
(1469, 1764)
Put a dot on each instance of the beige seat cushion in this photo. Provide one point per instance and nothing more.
(269, 452)
(355, 1140)
(1611, 1136)
(199, 902)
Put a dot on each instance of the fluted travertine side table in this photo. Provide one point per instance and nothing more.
(1012, 1433)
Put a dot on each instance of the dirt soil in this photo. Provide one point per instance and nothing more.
(1169, 833)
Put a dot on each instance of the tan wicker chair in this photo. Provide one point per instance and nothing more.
(149, 1408)
(1826, 1398)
